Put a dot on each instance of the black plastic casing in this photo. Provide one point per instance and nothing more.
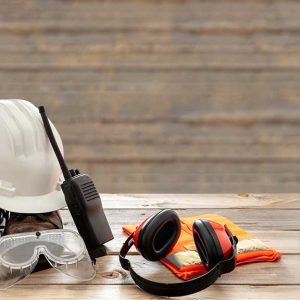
(85, 206)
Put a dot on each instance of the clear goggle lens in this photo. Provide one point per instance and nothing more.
(64, 250)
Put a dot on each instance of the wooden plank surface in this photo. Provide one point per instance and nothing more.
(246, 16)
(200, 201)
(222, 292)
(284, 272)
(250, 219)
(273, 218)
(200, 93)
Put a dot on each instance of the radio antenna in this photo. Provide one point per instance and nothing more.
(53, 142)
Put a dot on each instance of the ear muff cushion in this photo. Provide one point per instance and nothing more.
(207, 243)
(157, 238)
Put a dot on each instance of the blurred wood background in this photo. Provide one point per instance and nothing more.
(163, 96)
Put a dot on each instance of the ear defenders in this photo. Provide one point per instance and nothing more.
(158, 234)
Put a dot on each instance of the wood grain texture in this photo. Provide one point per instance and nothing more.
(222, 292)
(249, 16)
(250, 219)
(163, 96)
(285, 272)
(200, 201)
(193, 176)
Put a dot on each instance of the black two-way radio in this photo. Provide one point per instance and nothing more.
(83, 201)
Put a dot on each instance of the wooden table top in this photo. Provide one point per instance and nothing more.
(273, 218)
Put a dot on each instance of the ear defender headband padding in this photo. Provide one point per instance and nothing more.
(212, 242)
(158, 235)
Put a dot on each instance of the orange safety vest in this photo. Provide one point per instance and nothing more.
(184, 261)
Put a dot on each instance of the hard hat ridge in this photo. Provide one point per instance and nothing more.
(30, 112)
(20, 117)
(19, 129)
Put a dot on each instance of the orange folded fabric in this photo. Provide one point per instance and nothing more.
(184, 260)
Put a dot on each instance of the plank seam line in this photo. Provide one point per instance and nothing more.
(119, 160)
(236, 30)
(204, 208)
(202, 69)
(132, 284)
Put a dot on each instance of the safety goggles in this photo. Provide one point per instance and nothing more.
(64, 250)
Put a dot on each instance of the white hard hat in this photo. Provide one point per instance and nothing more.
(29, 170)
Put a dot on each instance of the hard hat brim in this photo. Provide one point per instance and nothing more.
(33, 204)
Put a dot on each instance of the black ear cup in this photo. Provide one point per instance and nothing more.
(157, 238)
(207, 243)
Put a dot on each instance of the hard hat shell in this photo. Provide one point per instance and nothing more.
(29, 171)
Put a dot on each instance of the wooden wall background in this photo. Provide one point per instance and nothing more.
(163, 96)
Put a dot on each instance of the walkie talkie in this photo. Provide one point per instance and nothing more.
(83, 201)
